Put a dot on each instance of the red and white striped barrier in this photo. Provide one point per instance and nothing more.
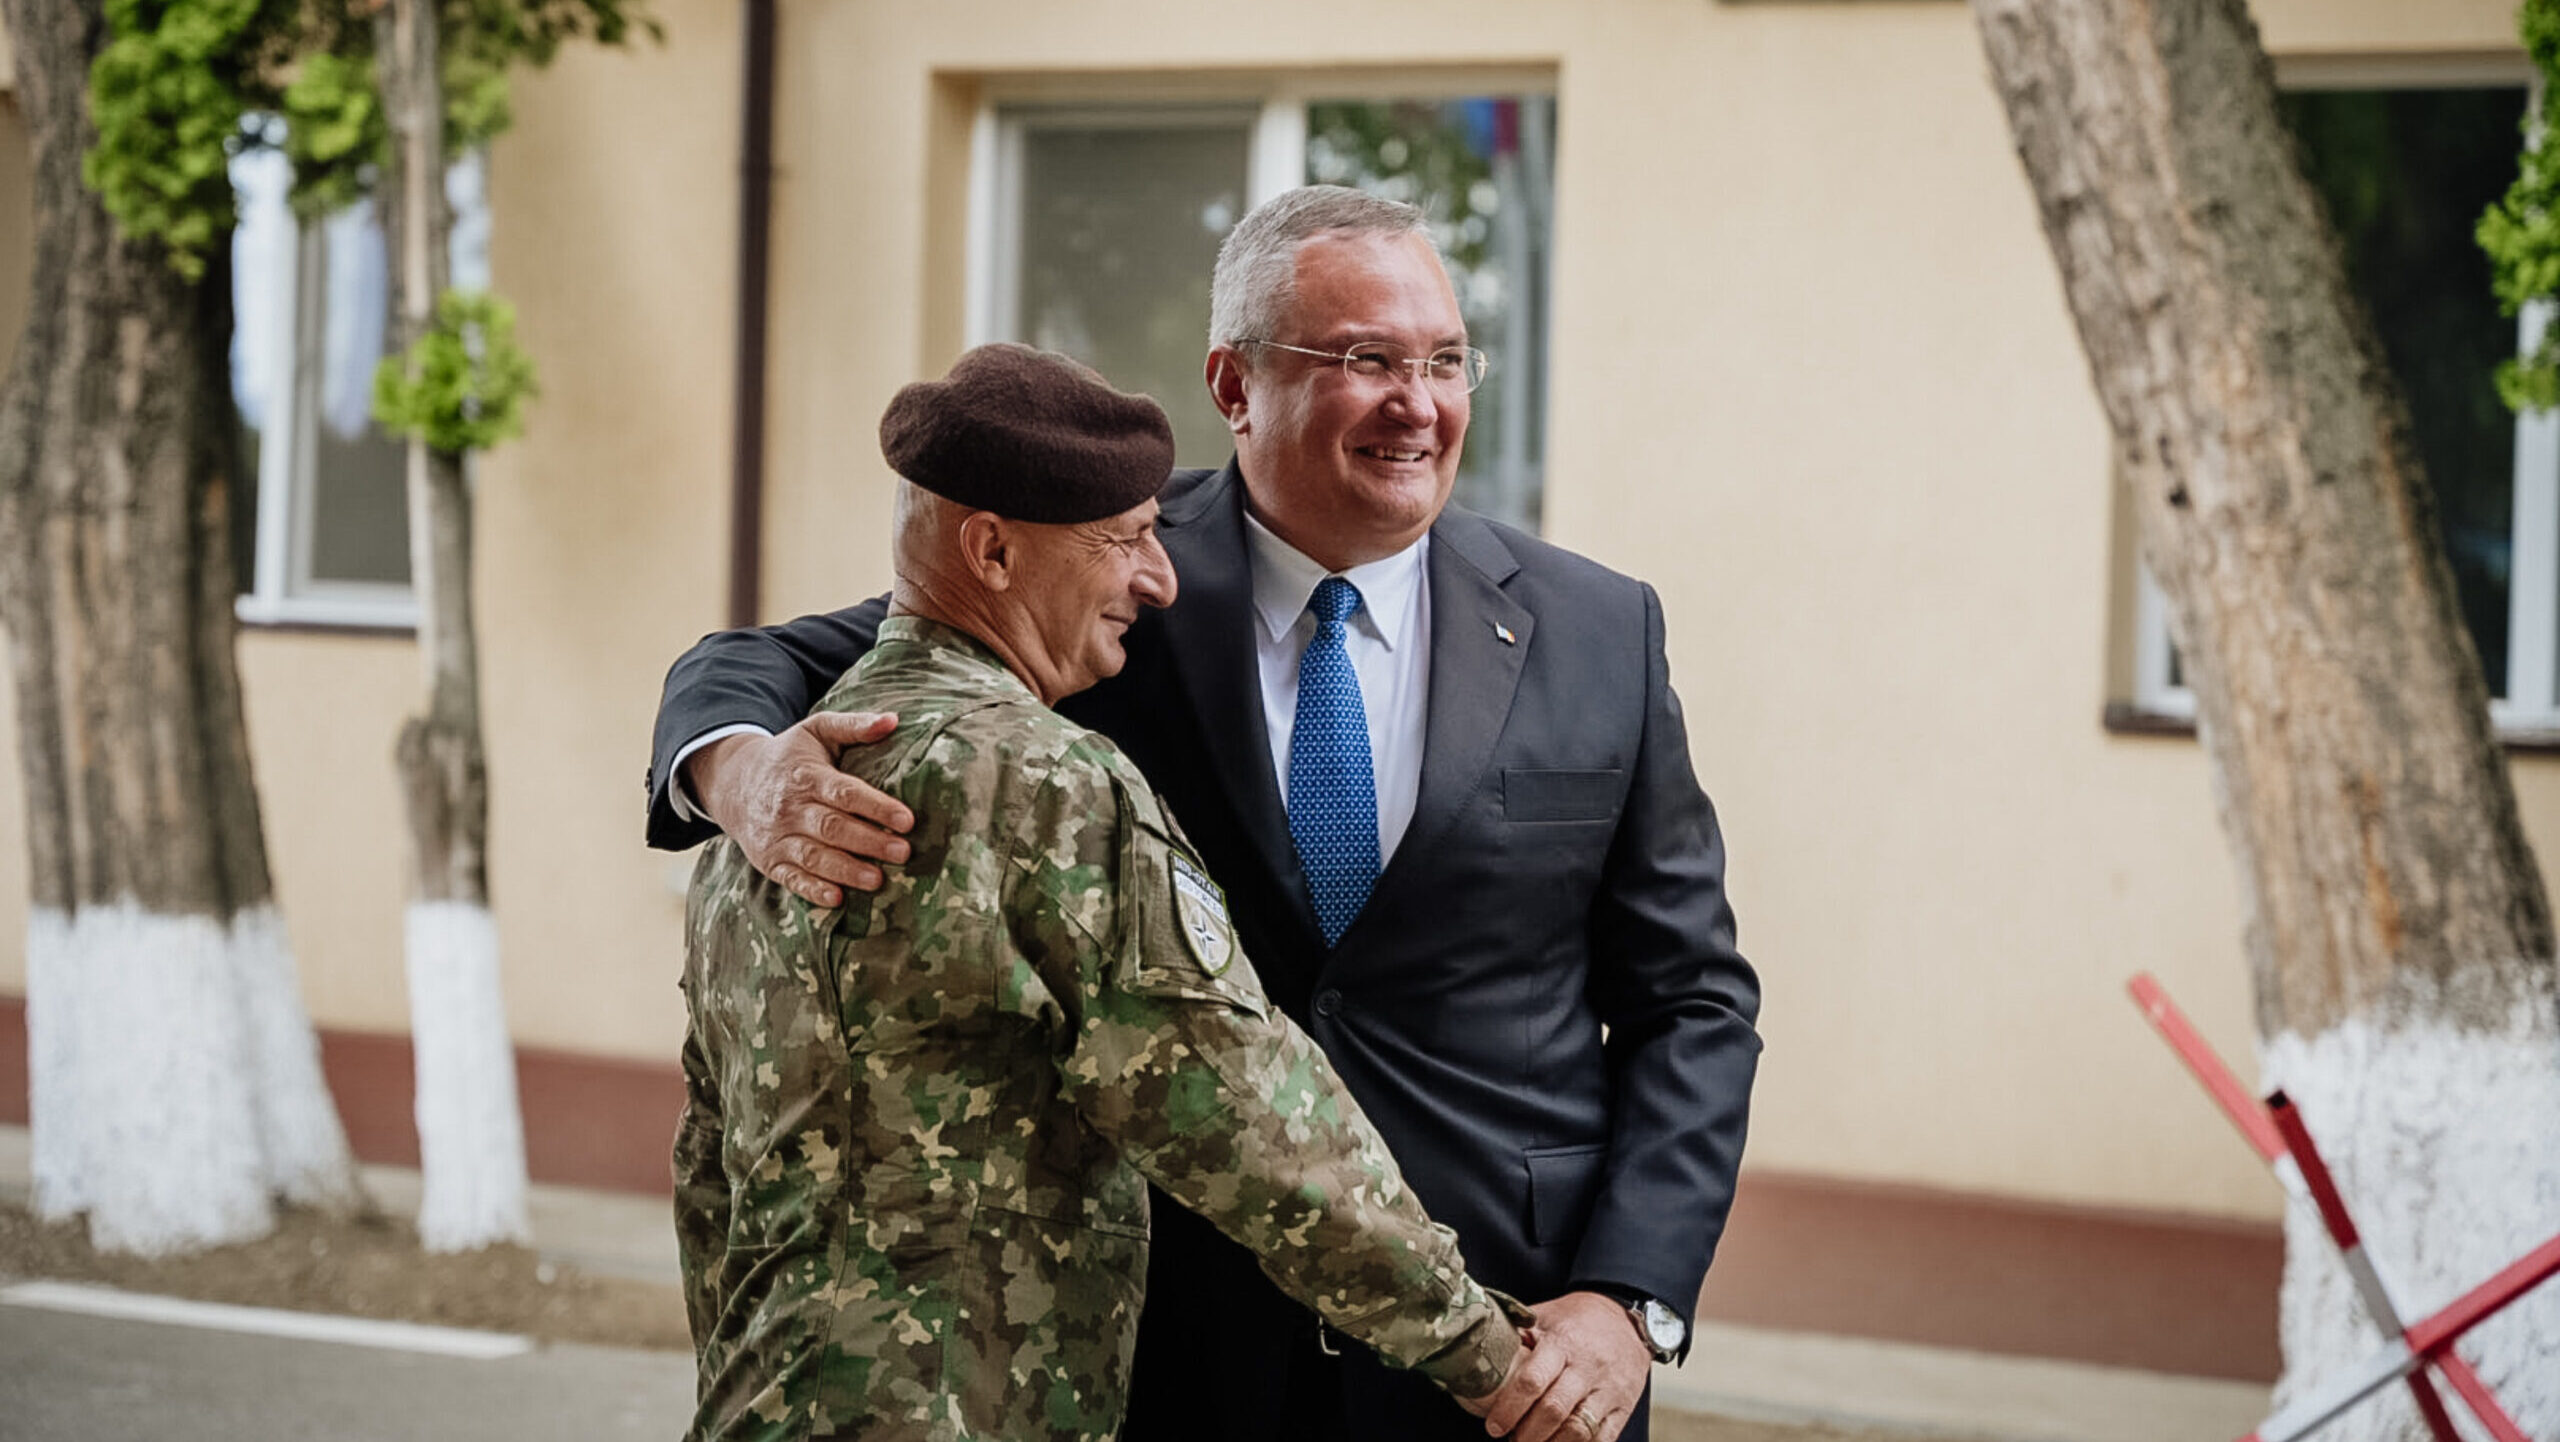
(2276, 1132)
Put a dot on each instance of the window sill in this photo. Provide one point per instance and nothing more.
(2124, 718)
(330, 615)
(287, 626)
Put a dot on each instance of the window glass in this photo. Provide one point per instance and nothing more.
(1481, 169)
(263, 263)
(1120, 225)
(357, 519)
(2406, 174)
(320, 515)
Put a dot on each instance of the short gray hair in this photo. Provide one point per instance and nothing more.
(919, 523)
(1257, 273)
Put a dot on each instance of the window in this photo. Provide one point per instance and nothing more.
(320, 527)
(1095, 228)
(2406, 172)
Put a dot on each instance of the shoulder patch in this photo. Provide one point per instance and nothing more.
(1203, 911)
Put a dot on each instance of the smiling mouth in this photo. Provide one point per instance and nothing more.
(1393, 453)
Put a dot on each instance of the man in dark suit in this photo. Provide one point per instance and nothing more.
(1438, 767)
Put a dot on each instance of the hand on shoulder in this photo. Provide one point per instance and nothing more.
(796, 817)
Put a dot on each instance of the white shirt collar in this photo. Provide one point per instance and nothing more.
(1284, 578)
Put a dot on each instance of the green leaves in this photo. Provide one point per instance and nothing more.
(464, 383)
(182, 84)
(167, 93)
(2521, 231)
(334, 132)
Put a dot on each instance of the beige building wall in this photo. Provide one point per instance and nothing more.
(1812, 377)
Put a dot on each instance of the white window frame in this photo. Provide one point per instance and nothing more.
(281, 588)
(2532, 702)
(1276, 162)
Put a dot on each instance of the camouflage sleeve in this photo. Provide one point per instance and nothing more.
(1221, 1101)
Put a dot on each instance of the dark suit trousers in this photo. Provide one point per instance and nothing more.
(1190, 1337)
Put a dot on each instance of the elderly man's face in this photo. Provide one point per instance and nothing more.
(1080, 587)
(1349, 470)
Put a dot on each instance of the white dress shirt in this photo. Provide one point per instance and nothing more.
(1389, 641)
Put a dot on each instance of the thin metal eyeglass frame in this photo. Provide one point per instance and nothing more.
(1479, 365)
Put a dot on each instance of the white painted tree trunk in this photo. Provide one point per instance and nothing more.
(470, 1131)
(2448, 1155)
(302, 1146)
(54, 1107)
(173, 1080)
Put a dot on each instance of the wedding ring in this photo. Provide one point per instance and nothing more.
(1590, 1425)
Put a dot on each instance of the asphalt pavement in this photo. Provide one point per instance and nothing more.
(65, 1376)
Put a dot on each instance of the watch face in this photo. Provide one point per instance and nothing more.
(1663, 1327)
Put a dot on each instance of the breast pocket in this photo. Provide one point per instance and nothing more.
(1537, 795)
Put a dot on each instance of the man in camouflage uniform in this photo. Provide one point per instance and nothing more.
(912, 1172)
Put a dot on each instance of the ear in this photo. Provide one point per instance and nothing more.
(988, 549)
(1225, 374)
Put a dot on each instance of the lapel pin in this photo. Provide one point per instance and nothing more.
(1504, 632)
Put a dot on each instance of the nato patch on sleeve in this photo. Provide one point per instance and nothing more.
(1203, 909)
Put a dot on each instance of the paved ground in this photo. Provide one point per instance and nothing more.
(1670, 1426)
(66, 1377)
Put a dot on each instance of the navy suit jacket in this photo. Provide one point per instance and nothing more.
(1541, 1006)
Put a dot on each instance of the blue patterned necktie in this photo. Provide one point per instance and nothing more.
(1333, 803)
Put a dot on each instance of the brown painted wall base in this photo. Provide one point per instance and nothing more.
(589, 1121)
(1942, 1269)
(2188, 1295)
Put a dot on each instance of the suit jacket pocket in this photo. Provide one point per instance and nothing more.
(1563, 1183)
(1542, 795)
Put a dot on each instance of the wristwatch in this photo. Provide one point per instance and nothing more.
(1663, 1332)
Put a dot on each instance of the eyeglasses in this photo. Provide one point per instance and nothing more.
(1459, 368)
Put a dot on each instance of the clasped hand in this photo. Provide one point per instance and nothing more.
(1578, 1381)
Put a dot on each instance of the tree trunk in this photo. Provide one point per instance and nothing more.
(470, 1133)
(2396, 925)
(174, 1077)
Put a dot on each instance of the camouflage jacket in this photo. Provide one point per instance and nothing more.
(911, 1179)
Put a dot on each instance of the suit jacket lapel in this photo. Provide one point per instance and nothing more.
(1474, 673)
(1480, 638)
(1209, 631)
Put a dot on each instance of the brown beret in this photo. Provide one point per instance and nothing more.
(1030, 435)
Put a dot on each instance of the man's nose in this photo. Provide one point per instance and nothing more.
(1412, 399)
(1154, 582)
